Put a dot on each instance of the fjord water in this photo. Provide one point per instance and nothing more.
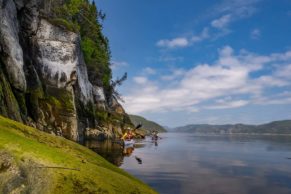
(213, 164)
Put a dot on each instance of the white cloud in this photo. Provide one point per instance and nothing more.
(238, 8)
(256, 33)
(149, 71)
(281, 56)
(229, 104)
(228, 11)
(271, 81)
(192, 109)
(221, 22)
(174, 43)
(284, 71)
(118, 64)
(204, 35)
(281, 98)
(176, 73)
(229, 75)
(183, 41)
(140, 80)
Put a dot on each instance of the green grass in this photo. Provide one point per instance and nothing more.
(95, 174)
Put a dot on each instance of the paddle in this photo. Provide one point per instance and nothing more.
(138, 126)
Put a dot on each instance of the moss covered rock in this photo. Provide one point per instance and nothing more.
(8, 103)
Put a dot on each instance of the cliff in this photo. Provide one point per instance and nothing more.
(44, 77)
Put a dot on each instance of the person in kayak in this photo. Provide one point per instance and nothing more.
(155, 135)
(128, 135)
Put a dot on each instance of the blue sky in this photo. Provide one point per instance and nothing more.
(216, 62)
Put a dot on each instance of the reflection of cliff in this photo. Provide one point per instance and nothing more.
(113, 151)
(110, 150)
(44, 81)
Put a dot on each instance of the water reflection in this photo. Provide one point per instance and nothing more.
(127, 151)
(139, 160)
(188, 163)
(113, 151)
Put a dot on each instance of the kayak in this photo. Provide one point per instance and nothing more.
(128, 142)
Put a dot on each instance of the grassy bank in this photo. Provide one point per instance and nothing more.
(35, 162)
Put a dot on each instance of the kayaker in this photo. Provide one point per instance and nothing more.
(155, 135)
(128, 135)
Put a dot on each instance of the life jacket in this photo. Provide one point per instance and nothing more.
(127, 136)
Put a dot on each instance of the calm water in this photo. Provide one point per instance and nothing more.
(188, 163)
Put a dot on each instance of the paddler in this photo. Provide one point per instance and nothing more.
(128, 135)
(155, 135)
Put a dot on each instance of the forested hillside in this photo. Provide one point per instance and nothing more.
(276, 127)
(146, 124)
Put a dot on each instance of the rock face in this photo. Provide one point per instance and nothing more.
(44, 80)
(56, 64)
(10, 47)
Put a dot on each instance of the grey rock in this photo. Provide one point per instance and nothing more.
(9, 40)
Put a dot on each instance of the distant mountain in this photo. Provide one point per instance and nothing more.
(146, 124)
(168, 128)
(276, 127)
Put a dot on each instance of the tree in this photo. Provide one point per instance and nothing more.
(114, 84)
